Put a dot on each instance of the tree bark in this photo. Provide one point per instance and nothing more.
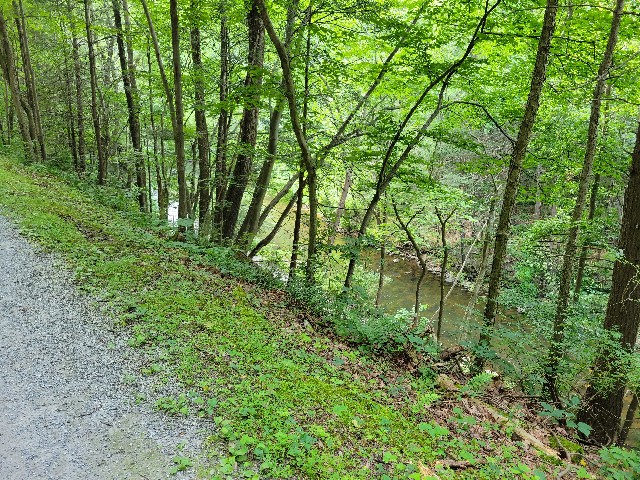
(515, 168)
(178, 127)
(29, 79)
(177, 117)
(7, 59)
(582, 262)
(77, 68)
(248, 124)
(127, 68)
(423, 264)
(102, 158)
(220, 177)
(556, 350)
(250, 225)
(443, 219)
(602, 406)
(202, 132)
(341, 205)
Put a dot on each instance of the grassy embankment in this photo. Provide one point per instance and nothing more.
(286, 400)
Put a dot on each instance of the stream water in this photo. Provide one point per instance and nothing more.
(401, 277)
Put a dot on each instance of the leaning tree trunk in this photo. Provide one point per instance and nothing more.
(341, 206)
(515, 168)
(102, 159)
(389, 169)
(7, 60)
(556, 350)
(250, 225)
(29, 78)
(133, 106)
(248, 124)
(602, 406)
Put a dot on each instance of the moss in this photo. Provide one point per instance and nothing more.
(575, 451)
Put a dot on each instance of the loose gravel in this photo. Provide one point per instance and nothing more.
(69, 383)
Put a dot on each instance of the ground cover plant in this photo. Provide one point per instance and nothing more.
(284, 397)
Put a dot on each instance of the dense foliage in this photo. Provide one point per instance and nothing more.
(307, 145)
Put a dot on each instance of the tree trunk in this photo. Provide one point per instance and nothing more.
(248, 124)
(515, 167)
(389, 169)
(423, 264)
(484, 257)
(70, 120)
(7, 59)
(250, 225)
(202, 132)
(295, 243)
(178, 126)
(602, 406)
(583, 251)
(556, 350)
(77, 68)
(341, 205)
(276, 199)
(102, 159)
(285, 213)
(220, 178)
(443, 266)
(29, 79)
(133, 105)
(177, 117)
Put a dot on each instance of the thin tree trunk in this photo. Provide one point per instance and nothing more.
(389, 169)
(383, 260)
(285, 213)
(29, 78)
(71, 122)
(566, 276)
(295, 243)
(484, 257)
(583, 251)
(133, 107)
(276, 199)
(537, 209)
(602, 405)
(250, 225)
(82, 163)
(7, 59)
(248, 124)
(176, 110)
(220, 177)
(161, 185)
(102, 159)
(178, 131)
(423, 264)
(341, 205)
(515, 168)
(204, 169)
(443, 219)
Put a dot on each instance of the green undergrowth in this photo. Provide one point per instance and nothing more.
(283, 400)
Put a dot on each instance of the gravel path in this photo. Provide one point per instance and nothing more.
(65, 411)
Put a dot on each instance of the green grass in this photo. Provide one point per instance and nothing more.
(286, 401)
